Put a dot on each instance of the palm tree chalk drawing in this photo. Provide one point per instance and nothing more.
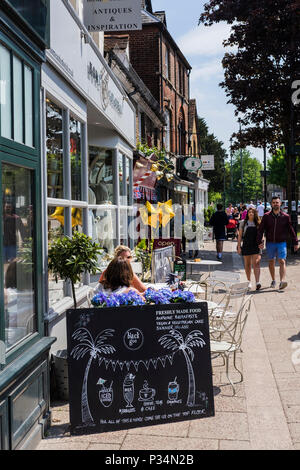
(95, 349)
(176, 342)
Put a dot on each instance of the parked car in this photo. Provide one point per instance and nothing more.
(285, 206)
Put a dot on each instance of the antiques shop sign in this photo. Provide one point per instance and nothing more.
(114, 15)
(138, 366)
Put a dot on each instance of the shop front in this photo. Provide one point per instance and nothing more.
(24, 349)
(88, 137)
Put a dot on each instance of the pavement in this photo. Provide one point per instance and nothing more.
(265, 412)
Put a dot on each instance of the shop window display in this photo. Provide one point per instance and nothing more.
(54, 150)
(100, 176)
(75, 151)
(18, 254)
(55, 230)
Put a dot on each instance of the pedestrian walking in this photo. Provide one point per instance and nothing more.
(247, 246)
(277, 226)
(244, 212)
(229, 210)
(260, 210)
(218, 221)
(251, 205)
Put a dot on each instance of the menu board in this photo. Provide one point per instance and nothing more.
(138, 365)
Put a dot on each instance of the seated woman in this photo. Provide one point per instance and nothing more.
(124, 252)
(118, 278)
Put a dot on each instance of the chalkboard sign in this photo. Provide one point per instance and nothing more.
(162, 263)
(138, 366)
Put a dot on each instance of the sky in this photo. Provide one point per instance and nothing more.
(202, 47)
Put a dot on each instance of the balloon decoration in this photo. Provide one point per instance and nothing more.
(157, 215)
(75, 212)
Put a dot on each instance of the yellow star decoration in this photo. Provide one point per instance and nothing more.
(154, 216)
(76, 216)
(166, 212)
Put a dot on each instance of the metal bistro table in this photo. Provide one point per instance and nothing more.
(204, 262)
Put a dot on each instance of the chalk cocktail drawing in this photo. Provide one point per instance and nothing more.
(96, 349)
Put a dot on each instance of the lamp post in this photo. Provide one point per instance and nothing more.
(265, 168)
(242, 172)
(231, 175)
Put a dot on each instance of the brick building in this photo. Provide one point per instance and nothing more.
(158, 61)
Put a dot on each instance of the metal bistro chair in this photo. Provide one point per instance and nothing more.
(230, 335)
(235, 294)
(227, 277)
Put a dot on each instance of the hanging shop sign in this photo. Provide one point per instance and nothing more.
(83, 66)
(138, 366)
(192, 164)
(114, 15)
(208, 162)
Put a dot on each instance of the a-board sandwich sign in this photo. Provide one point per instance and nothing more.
(138, 366)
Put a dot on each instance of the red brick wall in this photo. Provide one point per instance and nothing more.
(149, 62)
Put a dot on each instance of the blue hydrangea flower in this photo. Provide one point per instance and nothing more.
(99, 299)
(179, 296)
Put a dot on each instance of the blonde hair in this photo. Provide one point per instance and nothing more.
(120, 249)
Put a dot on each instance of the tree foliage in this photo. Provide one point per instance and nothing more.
(210, 145)
(68, 258)
(259, 71)
(277, 168)
(251, 178)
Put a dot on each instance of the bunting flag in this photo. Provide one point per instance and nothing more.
(114, 363)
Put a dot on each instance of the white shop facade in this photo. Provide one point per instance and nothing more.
(88, 136)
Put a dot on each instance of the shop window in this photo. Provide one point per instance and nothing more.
(100, 176)
(54, 150)
(124, 227)
(122, 179)
(6, 102)
(102, 230)
(28, 100)
(16, 90)
(128, 182)
(18, 254)
(75, 150)
(76, 219)
(18, 99)
(55, 230)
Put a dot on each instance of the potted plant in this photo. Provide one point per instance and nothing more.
(68, 258)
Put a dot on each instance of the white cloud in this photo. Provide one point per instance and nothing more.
(205, 40)
(207, 71)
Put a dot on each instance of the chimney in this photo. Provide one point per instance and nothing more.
(147, 5)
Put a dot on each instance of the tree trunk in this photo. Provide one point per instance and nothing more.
(192, 390)
(74, 296)
(86, 416)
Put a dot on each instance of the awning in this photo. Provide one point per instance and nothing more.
(142, 174)
(182, 182)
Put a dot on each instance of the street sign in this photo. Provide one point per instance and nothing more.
(192, 164)
(208, 162)
(138, 366)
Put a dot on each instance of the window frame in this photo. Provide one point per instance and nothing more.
(21, 155)
(25, 150)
